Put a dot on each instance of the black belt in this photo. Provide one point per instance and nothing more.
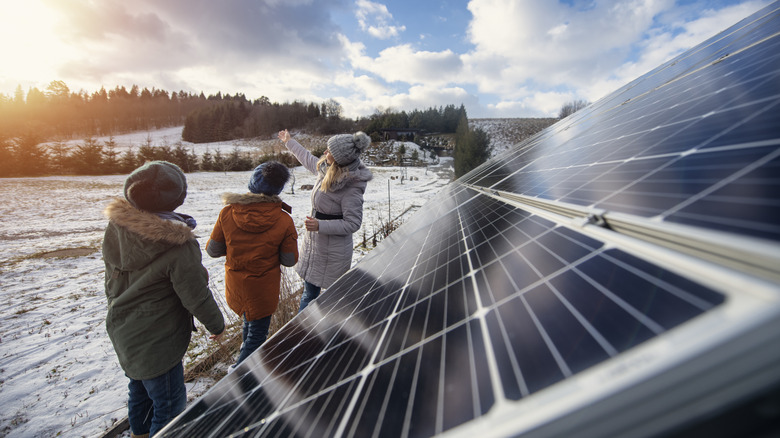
(323, 216)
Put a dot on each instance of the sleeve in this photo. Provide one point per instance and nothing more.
(305, 157)
(216, 246)
(352, 212)
(191, 282)
(288, 250)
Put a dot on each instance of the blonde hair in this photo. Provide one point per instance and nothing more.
(333, 172)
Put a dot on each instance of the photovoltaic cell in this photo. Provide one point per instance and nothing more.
(495, 315)
(410, 348)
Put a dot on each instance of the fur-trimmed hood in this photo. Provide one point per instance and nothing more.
(248, 198)
(358, 173)
(135, 237)
(254, 212)
(147, 225)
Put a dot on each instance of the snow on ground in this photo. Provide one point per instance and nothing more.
(171, 137)
(58, 372)
(504, 133)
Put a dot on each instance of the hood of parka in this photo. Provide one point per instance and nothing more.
(149, 236)
(255, 213)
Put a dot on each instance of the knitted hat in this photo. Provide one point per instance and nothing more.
(269, 178)
(156, 186)
(346, 148)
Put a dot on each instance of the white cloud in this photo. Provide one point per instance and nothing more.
(526, 57)
(375, 19)
(530, 104)
(416, 97)
(422, 97)
(669, 39)
(404, 64)
(553, 43)
(361, 86)
(571, 52)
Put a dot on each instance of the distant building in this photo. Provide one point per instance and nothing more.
(399, 134)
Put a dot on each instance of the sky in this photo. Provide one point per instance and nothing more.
(498, 58)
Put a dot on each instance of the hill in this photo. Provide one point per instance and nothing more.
(505, 133)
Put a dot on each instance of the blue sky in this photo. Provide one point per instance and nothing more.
(499, 58)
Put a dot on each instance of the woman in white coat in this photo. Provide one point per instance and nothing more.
(337, 209)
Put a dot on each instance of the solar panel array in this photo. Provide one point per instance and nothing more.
(529, 290)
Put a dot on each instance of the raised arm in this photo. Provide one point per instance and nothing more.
(305, 157)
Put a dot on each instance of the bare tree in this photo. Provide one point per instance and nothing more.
(572, 107)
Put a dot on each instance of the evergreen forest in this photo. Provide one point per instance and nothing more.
(35, 128)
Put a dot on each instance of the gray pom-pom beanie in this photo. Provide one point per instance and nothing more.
(346, 148)
(156, 186)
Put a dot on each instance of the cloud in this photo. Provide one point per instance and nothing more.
(672, 35)
(375, 19)
(423, 97)
(529, 57)
(579, 50)
(237, 42)
(404, 64)
(522, 57)
(552, 43)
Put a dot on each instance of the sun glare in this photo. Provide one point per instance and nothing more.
(30, 48)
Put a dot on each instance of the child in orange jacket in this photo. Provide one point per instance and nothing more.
(257, 235)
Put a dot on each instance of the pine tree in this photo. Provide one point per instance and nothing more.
(88, 157)
(472, 148)
(31, 158)
(206, 161)
(128, 161)
(7, 158)
(183, 158)
(110, 157)
(60, 160)
(219, 162)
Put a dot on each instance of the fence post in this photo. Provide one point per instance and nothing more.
(389, 216)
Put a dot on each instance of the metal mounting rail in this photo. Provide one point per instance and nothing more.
(744, 253)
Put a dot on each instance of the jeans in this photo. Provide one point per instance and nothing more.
(255, 333)
(310, 292)
(154, 402)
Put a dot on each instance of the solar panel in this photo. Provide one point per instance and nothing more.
(615, 275)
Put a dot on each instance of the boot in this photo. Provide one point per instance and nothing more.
(132, 435)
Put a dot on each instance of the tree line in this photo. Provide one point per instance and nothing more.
(59, 113)
(238, 118)
(93, 157)
(56, 115)
(432, 120)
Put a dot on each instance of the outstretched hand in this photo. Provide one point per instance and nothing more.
(218, 337)
(284, 136)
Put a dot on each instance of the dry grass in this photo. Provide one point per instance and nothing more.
(289, 300)
(204, 354)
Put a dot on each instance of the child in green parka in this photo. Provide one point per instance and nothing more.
(155, 284)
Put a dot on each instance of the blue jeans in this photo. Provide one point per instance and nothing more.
(154, 402)
(255, 333)
(310, 292)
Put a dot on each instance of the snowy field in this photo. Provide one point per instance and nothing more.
(171, 137)
(58, 372)
(504, 133)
